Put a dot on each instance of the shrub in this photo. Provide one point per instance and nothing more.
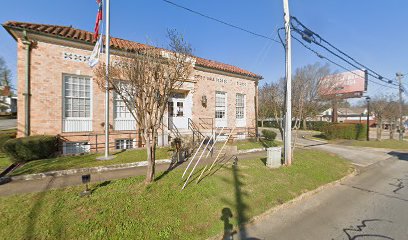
(317, 125)
(4, 137)
(268, 134)
(31, 148)
(345, 131)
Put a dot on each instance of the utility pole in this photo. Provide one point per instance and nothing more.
(288, 95)
(368, 118)
(401, 132)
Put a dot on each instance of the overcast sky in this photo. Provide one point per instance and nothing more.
(372, 31)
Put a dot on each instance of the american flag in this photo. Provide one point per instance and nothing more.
(98, 19)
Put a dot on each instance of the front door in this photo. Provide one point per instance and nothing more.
(179, 110)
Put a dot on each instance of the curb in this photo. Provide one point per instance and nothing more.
(251, 150)
(83, 170)
(302, 196)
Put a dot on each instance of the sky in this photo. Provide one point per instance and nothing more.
(373, 32)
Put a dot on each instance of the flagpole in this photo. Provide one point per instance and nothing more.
(107, 46)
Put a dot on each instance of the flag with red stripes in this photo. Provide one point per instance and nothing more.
(98, 19)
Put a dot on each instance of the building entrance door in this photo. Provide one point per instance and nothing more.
(179, 111)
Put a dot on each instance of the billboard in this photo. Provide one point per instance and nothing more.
(343, 85)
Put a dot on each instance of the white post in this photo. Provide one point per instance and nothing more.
(288, 96)
(107, 43)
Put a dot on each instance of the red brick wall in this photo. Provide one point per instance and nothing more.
(47, 69)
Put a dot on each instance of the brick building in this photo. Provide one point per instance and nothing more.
(56, 94)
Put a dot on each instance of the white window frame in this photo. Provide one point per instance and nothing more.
(81, 147)
(240, 120)
(221, 122)
(122, 123)
(77, 124)
(124, 143)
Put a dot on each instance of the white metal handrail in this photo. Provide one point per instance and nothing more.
(215, 160)
(198, 160)
(198, 149)
(216, 139)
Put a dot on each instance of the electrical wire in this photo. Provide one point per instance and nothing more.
(337, 64)
(370, 71)
(220, 21)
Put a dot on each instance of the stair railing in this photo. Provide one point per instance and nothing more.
(219, 153)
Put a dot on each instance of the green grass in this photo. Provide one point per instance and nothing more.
(4, 162)
(127, 209)
(4, 136)
(251, 144)
(390, 144)
(88, 160)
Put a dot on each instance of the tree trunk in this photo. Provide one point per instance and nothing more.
(151, 156)
(282, 134)
(334, 111)
(391, 130)
(378, 130)
(381, 128)
(304, 124)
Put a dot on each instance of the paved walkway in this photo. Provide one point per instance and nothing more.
(44, 184)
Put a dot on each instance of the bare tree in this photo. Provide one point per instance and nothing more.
(145, 80)
(306, 86)
(392, 114)
(272, 100)
(5, 73)
(379, 105)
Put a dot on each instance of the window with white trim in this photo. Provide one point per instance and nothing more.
(77, 97)
(124, 144)
(240, 106)
(120, 109)
(220, 105)
(76, 147)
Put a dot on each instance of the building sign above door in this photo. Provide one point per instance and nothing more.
(219, 80)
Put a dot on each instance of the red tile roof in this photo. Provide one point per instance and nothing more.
(117, 43)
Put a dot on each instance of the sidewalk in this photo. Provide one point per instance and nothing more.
(47, 183)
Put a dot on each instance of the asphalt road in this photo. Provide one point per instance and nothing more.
(8, 123)
(370, 205)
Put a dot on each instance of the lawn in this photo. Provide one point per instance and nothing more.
(88, 160)
(127, 209)
(390, 144)
(4, 136)
(4, 162)
(248, 144)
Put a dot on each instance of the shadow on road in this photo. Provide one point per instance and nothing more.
(399, 155)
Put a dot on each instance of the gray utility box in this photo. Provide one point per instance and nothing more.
(274, 157)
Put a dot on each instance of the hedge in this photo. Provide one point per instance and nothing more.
(268, 134)
(345, 131)
(31, 148)
(4, 137)
(310, 125)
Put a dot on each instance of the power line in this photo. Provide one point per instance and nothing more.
(220, 21)
(337, 64)
(310, 34)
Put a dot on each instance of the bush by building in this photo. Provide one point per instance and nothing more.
(268, 134)
(345, 131)
(31, 148)
(4, 137)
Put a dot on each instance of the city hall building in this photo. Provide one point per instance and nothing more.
(57, 95)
